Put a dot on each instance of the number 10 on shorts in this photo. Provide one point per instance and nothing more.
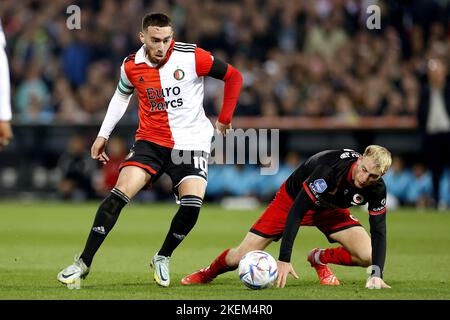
(201, 163)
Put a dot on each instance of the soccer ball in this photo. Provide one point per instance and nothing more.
(257, 269)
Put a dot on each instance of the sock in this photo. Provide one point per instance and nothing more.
(182, 223)
(105, 219)
(219, 265)
(336, 256)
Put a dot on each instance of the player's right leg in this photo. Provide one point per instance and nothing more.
(269, 227)
(228, 260)
(131, 179)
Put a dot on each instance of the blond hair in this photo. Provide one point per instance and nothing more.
(380, 156)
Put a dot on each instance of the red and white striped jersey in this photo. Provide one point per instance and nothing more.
(170, 96)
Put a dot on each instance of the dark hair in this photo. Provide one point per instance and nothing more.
(155, 20)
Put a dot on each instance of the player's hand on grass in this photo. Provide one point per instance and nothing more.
(376, 283)
(98, 150)
(284, 269)
(222, 128)
(5, 134)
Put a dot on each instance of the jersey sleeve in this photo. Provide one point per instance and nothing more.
(2, 37)
(124, 86)
(377, 220)
(203, 62)
(5, 87)
(377, 200)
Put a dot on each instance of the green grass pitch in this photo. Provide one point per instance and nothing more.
(37, 240)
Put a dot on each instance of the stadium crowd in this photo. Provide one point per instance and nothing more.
(300, 58)
(297, 57)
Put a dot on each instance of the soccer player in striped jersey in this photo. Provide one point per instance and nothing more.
(318, 193)
(174, 136)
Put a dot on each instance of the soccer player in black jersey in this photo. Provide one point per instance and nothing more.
(319, 193)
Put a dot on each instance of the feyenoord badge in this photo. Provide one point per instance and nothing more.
(178, 74)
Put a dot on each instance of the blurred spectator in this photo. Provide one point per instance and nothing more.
(445, 191)
(319, 49)
(77, 170)
(239, 180)
(33, 98)
(75, 58)
(345, 110)
(66, 105)
(327, 35)
(419, 191)
(398, 180)
(434, 119)
(267, 185)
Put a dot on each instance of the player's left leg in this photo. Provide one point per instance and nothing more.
(339, 226)
(269, 227)
(356, 250)
(191, 192)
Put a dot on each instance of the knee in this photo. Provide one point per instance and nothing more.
(124, 189)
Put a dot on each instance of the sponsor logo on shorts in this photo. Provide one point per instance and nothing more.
(319, 185)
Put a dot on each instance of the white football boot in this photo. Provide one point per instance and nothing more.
(161, 275)
(72, 275)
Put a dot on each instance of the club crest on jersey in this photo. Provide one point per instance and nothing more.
(178, 74)
(319, 185)
(357, 199)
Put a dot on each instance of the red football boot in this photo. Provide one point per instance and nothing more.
(326, 276)
(198, 277)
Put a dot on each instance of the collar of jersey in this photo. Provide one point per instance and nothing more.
(141, 57)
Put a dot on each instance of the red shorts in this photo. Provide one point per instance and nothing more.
(272, 221)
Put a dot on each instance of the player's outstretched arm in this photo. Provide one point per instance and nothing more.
(98, 150)
(284, 270)
(207, 65)
(376, 283)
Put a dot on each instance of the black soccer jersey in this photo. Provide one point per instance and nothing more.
(326, 178)
(324, 182)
